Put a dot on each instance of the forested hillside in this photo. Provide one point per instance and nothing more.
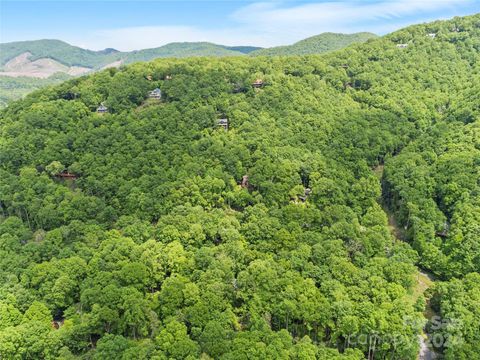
(51, 61)
(317, 44)
(186, 49)
(149, 231)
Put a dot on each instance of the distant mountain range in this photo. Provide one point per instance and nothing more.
(43, 58)
(28, 65)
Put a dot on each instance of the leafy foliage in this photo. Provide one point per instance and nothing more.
(155, 248)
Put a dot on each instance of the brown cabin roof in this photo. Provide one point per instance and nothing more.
(66, 175)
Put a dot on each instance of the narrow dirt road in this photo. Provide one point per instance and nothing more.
(424, 279)
(425, 352)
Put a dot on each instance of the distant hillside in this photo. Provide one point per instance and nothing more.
(184, 49)
(317, 44)
(243, 49)
(12, 88)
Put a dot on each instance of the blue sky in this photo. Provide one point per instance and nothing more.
(129, 25)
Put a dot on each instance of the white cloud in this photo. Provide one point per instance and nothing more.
(337, 12)
(312, 18)
(280, 23)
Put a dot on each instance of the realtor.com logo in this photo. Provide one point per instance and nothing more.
(441, 334)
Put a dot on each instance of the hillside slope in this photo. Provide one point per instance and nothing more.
(317, 44)
(44, 59)
(150, 231)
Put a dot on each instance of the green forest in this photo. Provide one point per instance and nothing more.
(318, 44)
(295, 230)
